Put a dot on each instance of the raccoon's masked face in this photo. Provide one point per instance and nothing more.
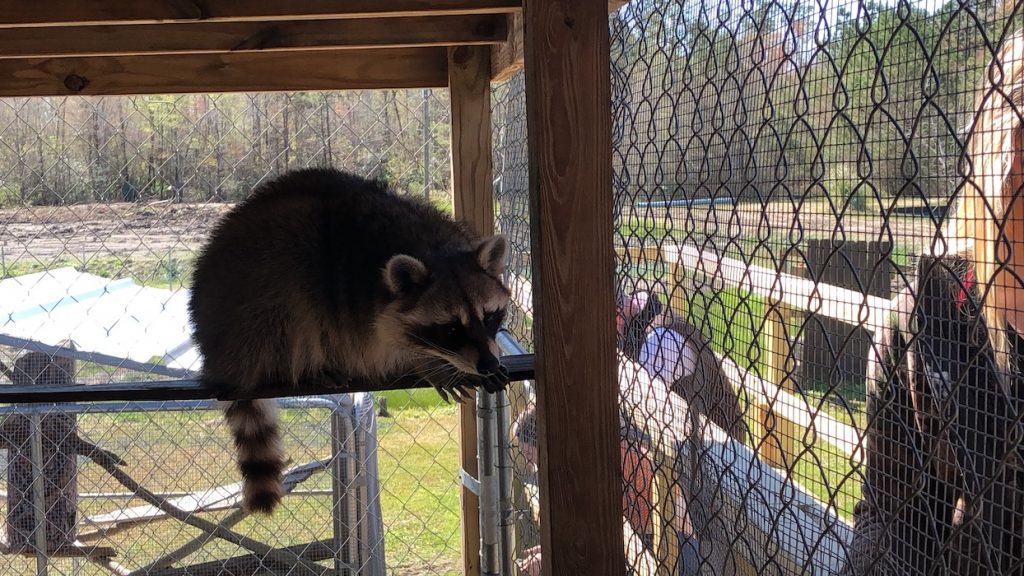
(451, 306)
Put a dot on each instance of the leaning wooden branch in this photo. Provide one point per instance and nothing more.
(301, 565)
(292, 478)
(249, 564)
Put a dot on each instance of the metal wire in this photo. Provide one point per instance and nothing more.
(810, 368)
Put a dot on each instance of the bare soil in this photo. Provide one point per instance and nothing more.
(156, 228)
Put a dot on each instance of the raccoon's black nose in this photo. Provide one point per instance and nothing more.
(488, 366)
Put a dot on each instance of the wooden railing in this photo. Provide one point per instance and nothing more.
(745, 512)
(777, 520)
(779, 411)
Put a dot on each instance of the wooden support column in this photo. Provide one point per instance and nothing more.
(568, 111)
(470, 92)
(775, 435)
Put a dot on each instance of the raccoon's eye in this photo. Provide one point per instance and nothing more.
(448, 334)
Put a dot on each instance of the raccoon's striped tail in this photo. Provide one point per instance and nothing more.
(253, 424)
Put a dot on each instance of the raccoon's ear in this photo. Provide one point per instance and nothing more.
(490, 253)
(404, 275)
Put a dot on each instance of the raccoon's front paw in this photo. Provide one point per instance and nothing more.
(458, 390)
(495, 382)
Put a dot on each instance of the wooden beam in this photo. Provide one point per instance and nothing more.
(207, 37)
(568, 113)
(470, 93)
(507, 58)
(246, 72)
(17, 13)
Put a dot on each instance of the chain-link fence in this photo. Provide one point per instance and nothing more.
(103, 204)
(508, 118)
(818, 238)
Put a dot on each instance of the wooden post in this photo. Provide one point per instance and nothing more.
(568, 112)
(41, 512)
(774, 435)
(470, 92)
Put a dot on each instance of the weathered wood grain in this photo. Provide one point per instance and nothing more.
(507, 57)
(213, 37)
(96, 12)
(242, 72)
(568, 100)
(470, 94)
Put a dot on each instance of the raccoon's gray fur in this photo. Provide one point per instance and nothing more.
(323, 275)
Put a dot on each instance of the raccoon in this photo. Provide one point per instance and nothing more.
(324, 276)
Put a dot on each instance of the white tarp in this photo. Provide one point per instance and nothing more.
(115, 322)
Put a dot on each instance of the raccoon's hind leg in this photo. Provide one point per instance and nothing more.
(254, 425)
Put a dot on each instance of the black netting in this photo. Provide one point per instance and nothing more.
(816, 223)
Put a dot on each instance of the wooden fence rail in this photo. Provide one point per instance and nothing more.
(771, 518)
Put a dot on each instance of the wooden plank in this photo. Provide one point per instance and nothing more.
(805, 295)
(507, 57)
(251, 563)
(98, 12)
(568, 113)
(470, 93)
(793, 407)
(401, 68)
(775, 433)
(210, 37)
(758, 511)
(244, 72)
(74, 550)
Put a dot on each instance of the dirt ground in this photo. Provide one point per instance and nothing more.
(157, 228)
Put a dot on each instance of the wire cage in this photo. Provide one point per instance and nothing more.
(104, 203)
(116, 525)
(806, 384)
(816, 238)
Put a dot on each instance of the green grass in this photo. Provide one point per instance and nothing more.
(415, 398)
(172, 271)
(828, 474)
(730, 319)
(419, 470)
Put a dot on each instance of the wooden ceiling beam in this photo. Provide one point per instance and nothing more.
(395, 68)
(507, 58)
(14, 13)
(219, 37)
